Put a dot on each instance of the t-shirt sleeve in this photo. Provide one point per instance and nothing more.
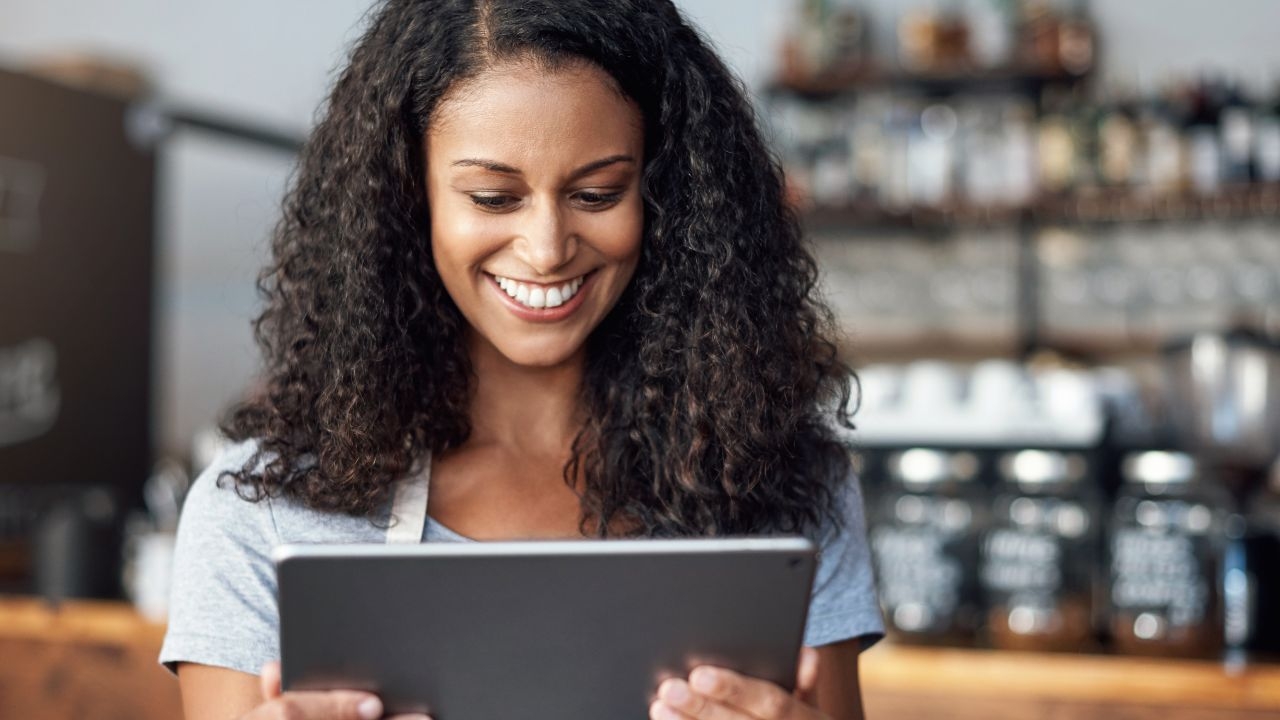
(222, 606)
(844, 604)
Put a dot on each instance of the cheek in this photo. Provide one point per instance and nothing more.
(460, 239)
(618, 235)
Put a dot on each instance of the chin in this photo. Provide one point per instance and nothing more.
(539, 353)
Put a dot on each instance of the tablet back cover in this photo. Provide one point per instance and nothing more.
(556, 630)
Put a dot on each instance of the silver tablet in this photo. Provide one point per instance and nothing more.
(538, 630)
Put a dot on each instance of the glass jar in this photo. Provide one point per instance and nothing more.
(1167, 541)
(1039, 555)
(925, 546)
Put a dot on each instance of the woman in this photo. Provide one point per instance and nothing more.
(535, 251)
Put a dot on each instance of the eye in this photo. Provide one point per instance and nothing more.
(597, 200)
(493, 202)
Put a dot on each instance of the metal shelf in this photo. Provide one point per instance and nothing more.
(942, 81)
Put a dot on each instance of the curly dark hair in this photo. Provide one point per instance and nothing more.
(712, 390)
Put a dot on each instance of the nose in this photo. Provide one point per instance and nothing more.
(547, 242)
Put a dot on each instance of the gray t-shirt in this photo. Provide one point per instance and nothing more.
(222, 608)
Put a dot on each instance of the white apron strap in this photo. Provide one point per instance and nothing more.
(409, 506)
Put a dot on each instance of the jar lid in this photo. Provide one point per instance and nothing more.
(1159, 466)
(927, 466)
(1042, 466)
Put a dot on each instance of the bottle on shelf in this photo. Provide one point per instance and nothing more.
(1204, 140)
(931, 156)
(1056, 146)
(1118, 142)
(1019, 153)
(826, 42)
(1039, 35)
(1237, 127)
(1166, 156)
(1266, 139)
(934, 38)
(991, 33)
(1076, 44)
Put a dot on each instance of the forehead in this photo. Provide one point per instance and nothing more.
(527, 112)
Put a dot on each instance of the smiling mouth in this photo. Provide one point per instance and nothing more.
(537, 296)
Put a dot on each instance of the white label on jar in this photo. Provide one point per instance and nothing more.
(914, 569)
(1014, 561)
(1158, 572)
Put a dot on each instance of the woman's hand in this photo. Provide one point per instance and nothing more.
(713, 693)
(318, 705)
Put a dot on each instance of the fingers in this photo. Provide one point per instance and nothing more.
(659, 710)
(677, 701)
(269, 680)
(719, 694)
(327, 705)
(807, 672)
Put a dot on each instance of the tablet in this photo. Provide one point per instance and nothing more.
(538, 630)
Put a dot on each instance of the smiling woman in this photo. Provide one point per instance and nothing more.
(535, 240)
(536, 258)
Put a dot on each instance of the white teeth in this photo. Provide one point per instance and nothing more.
(537, 296)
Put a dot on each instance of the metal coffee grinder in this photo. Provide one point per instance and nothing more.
(1224, 392)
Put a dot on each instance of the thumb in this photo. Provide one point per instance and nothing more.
(347, 705)
(807, 672)
(269, 681)
(329, 704)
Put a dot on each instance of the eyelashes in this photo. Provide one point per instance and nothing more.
(587, 200)
(595, 199)
(491, 202)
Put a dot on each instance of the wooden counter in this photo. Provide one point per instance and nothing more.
(906, 683)
(97, 661)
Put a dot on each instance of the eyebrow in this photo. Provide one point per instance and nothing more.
(503, 168)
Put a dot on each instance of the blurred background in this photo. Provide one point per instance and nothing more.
(1049, 230)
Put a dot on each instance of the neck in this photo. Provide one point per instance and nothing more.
(536, 410)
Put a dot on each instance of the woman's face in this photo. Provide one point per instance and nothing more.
(533, 180)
